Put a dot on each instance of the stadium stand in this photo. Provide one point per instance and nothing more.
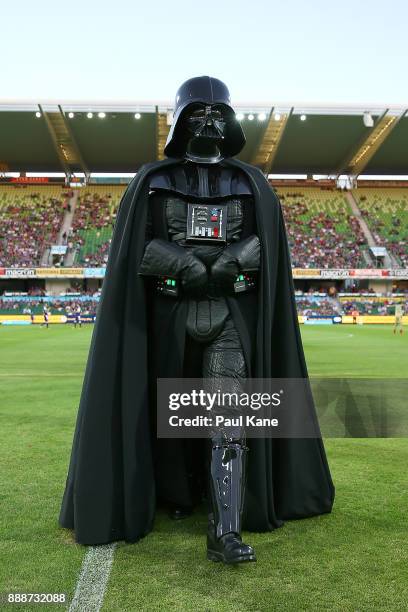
(321, 229)
(32, 304)
(374, 306)
(35, 306)
(322, 306)
(30, 219)
(322, 232)
(92, 227)
(386, 214)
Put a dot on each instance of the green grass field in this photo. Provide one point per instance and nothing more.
(355, 559)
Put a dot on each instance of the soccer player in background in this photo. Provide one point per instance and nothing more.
(398, 326)
(46, 315)
(77, 316)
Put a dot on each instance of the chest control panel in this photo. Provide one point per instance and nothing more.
(206, 223)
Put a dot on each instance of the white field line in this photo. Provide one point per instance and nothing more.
(93, 578)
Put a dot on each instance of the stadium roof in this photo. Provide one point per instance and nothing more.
(280, 139)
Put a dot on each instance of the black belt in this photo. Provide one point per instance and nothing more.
(172, 287)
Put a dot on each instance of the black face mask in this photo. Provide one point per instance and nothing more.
(206, 127)
(206, 121)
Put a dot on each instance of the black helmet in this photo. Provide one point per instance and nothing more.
(209, 91)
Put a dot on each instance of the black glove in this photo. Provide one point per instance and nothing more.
(162, 258)
(243, 256)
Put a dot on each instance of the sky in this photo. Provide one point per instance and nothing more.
(319, 52)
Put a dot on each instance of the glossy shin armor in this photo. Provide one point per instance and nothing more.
(227, 484)
(224, 358)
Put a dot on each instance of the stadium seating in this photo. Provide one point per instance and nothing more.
(323, 306)
(386, 213)
(56, 305)
(93, 222)
(30, 219)
(373, 306)
(322, 232)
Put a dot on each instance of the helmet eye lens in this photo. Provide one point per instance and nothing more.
(202, 113)
(217, 113)
(198, 114)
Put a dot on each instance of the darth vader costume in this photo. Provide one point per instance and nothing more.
(198, 283)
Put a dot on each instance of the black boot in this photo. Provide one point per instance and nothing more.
(227, 476)
(229, 548)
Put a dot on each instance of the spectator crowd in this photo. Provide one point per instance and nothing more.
(92, 228)
(320, 239)
(28, 225)
(321, 230)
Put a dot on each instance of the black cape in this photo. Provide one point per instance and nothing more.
(110, 489)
